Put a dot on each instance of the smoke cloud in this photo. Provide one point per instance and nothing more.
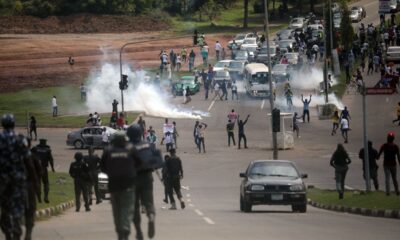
(103, 88)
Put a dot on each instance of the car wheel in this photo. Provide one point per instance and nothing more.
(303, 208)
(294, 208)
(78, 144)
(241, 204)
(246, 206)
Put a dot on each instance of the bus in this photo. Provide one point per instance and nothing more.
(256, 82)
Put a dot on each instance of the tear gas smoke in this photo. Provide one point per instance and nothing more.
(315, 100)
(307, 79)
(103, 88)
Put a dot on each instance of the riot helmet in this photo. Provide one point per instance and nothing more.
(8, 121)
(134, 133)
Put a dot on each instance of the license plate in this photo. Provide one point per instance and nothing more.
(276, 197)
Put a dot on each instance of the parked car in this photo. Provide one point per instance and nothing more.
(184, 82)
(239, 38)
(261, 54)
(220, 76)
(249, 42)
(393, 54)
(88, 137)
(220, 65)
(280, 72)
(284, 34)
(357, 13)
(297, 23)
(242, 55)
(236, 69)
(285, 44)
(273, 182)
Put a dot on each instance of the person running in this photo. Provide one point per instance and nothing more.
(335, 122)
(340, 161)
(234, 90)
(345, 114)
(306, 111)
(289, 96)
(216, 91)
(175, 135)
(373, 166)
(230, 127)
(295, 124)
(201, 134)
(398, 114)
(241, 131)
(390, 151)
(344, 126)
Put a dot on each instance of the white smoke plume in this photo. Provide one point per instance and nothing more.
(308, 79)
(103, 88)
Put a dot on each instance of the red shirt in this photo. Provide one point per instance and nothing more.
(121, 122)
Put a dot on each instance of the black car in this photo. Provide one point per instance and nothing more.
(273, 182)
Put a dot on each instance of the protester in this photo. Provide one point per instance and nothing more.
(33, 128)
(344, 127)
(340, 161)
(230, 130)
(373, 166)
(55, 106)
(390, 151)
(335, 122)
(306, 111)
(241, 131)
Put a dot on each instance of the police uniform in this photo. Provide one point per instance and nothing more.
(150, 159)
(118, 162)
(93, 162)
(43, 152)
(174, 174)
(13, 150)
(79, 171)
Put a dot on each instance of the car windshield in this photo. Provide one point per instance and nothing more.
(354, 12)
(221, 64)
(277, 169)
(249, 41)
(261, 78)
(279, 67)
(272, 50)
(239, 37)
(221, 74)
(235, 65)
(187, 80)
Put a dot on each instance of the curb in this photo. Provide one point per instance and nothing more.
(48, 212)
(384, 213)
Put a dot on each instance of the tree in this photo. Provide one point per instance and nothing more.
(246, 13)
(346, 29)
(211, 9)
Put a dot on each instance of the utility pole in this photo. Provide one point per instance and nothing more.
(325, 65)
(366, 154)
(269, 78)
(331, 32)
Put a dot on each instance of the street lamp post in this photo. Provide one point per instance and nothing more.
(271, 99)
(366, 154)
(325, 65)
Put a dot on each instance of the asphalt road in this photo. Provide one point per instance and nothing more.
(211, 183)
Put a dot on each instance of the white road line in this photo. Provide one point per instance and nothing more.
(209, 221)
(211, 105)
(188, 195)
(191, 205)
(199, 212)
(262, 104)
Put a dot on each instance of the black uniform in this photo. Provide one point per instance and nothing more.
(174, 175)
(230, 129)
(79, 171)
(241, 132)
(43, 152)
(93, 162)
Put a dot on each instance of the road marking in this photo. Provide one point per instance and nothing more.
(191, 205)
(211, 105)
(209, 221)
(199, 212)
(188, 195)
(262, 104)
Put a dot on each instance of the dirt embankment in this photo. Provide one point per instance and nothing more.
(82, 23)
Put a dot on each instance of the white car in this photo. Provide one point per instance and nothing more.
(249, 43)
(239, 39)
(292, 57)
(297, 23)
(221, 65)
(393, 54)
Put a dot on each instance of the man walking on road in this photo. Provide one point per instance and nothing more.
(230, 130)
(340, 161)
(93, 162)
(79, 171)
(241, 131)
(390, 151)
(306, 111)
(344, 126)
(174, 174)
(201, 129)
(218, 49)
(373, 166)
(43, 152)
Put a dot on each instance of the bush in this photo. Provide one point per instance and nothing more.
(158, 15)
(38, 8)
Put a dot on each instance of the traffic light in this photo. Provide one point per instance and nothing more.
(276, 120)
(123, 84)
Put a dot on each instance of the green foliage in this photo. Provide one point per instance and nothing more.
(211, 9)
(346, 29)
(38, 8)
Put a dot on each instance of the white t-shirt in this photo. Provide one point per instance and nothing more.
(218, 47)
(344, 123)
(54, 102)
(104, 136)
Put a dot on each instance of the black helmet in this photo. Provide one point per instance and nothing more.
(134, 133)
(119, 139)
(78, 156)
(8, 121)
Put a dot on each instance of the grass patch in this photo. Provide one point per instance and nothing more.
(371, 200)
(61, 190)
(71, 109)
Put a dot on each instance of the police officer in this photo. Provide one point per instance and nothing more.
(175, 174)
(43, 152)
(33, 174)
(93, 162)
(79, 171)
(118, 162)
(150, 159)
(13, 150)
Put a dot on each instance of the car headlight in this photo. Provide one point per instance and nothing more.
(298, 187)
(257, 187)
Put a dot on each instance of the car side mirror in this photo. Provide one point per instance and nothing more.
(304, 175)
(242, 175)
